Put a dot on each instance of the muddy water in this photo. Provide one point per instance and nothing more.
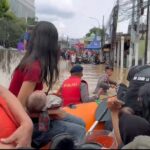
(91, 74)
(10, 59)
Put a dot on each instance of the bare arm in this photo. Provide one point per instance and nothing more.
(26, 89)
(22, 136)
(58, 93)
(25, 44)
(14, 106)
(6, 146)
(115, 122)
(112, 82)
(115, 105)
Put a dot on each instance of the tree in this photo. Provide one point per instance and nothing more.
(11, 31)
(4, 7)
(11, 27)
(96, 31)
(5, 12)
(32, 21)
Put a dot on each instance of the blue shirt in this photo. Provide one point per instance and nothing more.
(27, 36)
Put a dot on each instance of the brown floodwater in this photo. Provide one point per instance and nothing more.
(91, 74)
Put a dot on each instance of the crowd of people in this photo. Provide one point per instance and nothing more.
(81, 56)
(30, 119)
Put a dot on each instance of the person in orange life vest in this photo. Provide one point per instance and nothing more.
(15, 125)
(74, 90)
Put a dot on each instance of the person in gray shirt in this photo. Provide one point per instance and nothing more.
(104, 82)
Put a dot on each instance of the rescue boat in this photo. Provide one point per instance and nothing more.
(86, 111)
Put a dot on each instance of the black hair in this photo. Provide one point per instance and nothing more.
(109, 67)
(43, 47)
(131, 126)
(144, 97)
(126, 110)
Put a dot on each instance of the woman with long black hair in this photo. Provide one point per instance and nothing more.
(38, 66)
(128, 125)
(144, 99)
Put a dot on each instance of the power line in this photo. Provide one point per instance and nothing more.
(125, 13)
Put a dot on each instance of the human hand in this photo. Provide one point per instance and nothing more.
(114, 104)
(6, 146)
(21, 137)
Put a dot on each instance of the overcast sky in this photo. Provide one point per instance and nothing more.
(71, 17)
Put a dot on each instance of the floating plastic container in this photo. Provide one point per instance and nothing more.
(103, 137)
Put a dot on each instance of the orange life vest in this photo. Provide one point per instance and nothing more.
(71, 93)
(7, 122)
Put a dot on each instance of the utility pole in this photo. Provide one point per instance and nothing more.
(102, 39)
(137, 33)
(114, 30)
(147, 50)
(122, 52)
(103, 31)
(131, 35)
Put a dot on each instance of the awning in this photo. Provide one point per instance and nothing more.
(95, 44)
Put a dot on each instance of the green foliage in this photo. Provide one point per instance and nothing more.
(96, 31)
(5, 12)
(9, 15)
(4, 8)
(11, 27)
(31, 21)
(11, 31)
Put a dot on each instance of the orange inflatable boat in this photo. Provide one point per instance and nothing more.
(86, 111)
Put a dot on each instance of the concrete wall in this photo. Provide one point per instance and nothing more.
(9, 59)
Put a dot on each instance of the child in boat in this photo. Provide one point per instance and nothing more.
(39, 104)
(104, 82)
(45, 111)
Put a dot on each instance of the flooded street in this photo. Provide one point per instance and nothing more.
(91, 105)
(91, 74)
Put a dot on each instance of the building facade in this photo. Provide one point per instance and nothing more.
(23, 8)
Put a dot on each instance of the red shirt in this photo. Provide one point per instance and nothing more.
(31, 73)
(8, 125)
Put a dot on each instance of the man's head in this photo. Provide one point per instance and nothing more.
(77, 70)
(36, 102)
(109, 70)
